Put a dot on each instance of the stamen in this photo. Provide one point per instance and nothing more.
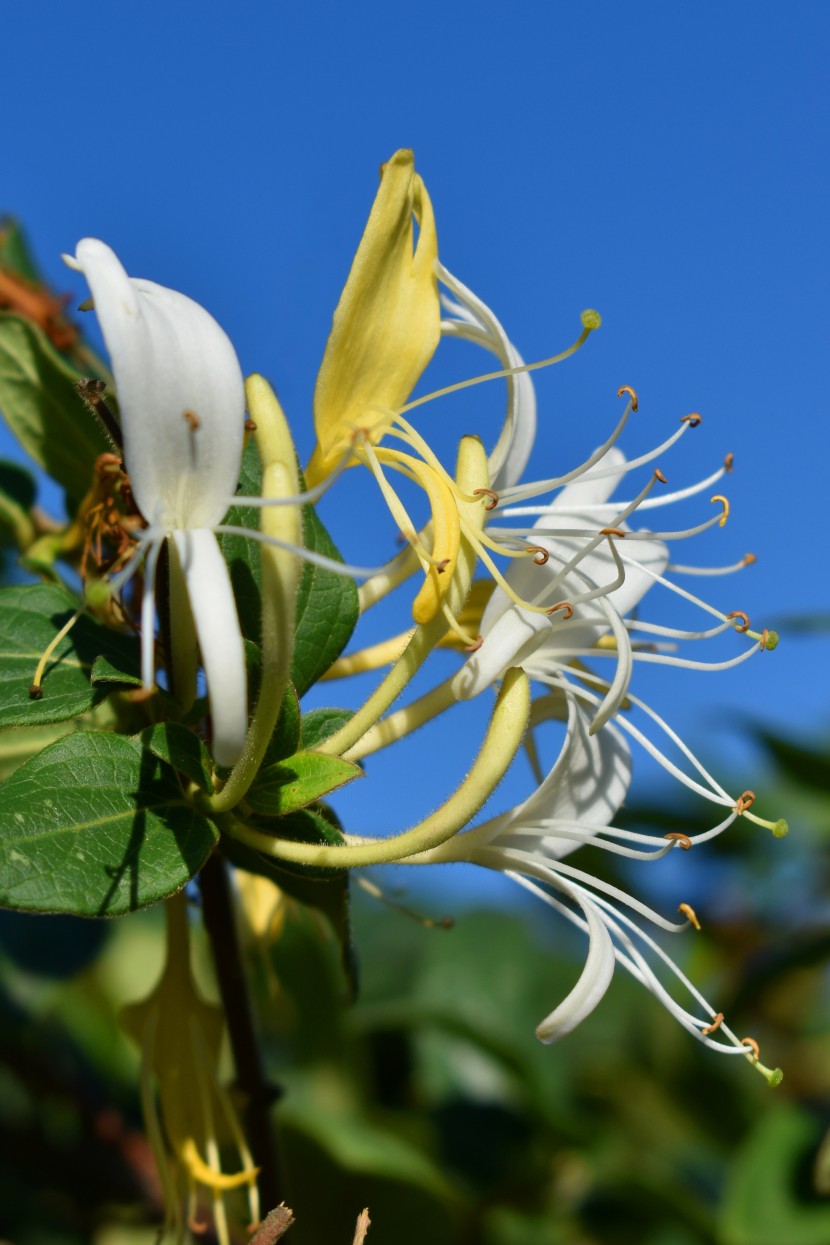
(565, 606)
(445, 922)
(250, 425)
(725, 503)
(632, 395)
(658, 475)
(744, 623)
(683, 841)
(749, 559)
(714, 1026)
(744, 802)
(729, 462)
(692, 420)
(753, 1046)
(91, 392)
(475, 646)
(36, 689)
(192, 420)
(540, 555)
(612, 531)
(689, 912)
(487, 492)
(764, 638)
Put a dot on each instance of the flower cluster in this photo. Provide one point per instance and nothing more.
(555, 626)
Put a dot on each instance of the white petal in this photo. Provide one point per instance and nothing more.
(475, 322)
(515, 636)
(169, 356)
(587, 785)
(594, 979)
(220, 640)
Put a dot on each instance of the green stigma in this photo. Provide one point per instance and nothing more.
(780, 828)
(772, 640)
(591, 319)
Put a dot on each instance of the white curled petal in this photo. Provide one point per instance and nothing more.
(220, 640)
(475, 322)
(594, 979)
(508, 643)
(169, 357)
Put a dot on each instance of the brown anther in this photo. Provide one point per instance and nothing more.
(749, 559)
(753, 1046)
(658, 475)
(682, 839)
(540, 555)
(692, 420)
(764, 638)
(192, 420)
(612, 531)
(725, 503)
(744, 802)
(441, 566)
(714, 1026)
(473, 648)
(250, 426)
(566, 608)
(487, 492)
(196, 1225)
(35, 692)
(631, 393)
(729, 462)
(688, 911)
(744, 623)
(107, 463)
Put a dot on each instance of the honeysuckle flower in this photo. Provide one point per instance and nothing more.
(191, 1116)
(574, 807)
(182, 404)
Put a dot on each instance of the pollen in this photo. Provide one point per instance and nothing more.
(632, 393)
(683, 840)
(692, 420)
(717, 1021)
(689, 912)
(725, 503)
(743, 625)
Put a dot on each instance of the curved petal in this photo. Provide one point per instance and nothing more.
(180, 393)
(587, 785)
(220, 640)
(475, 322)
(594, 979)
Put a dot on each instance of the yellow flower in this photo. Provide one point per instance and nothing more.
(180, 1037)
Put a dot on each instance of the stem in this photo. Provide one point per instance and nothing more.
(258, 1092)
(504, 734)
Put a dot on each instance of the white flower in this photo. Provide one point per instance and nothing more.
(182, 403)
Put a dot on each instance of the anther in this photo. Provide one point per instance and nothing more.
(540, 555)
(192, 420)
(744, 802)
(682, 839)
(631, 393)
(724, 502)
(729, 462)
(441, 566)
(197, 1226)
(566, 608)
(35, 691)
(612, 531)
(250, 425)
(717, 1021)
(764, 639)
(692, 420)
(744, 623)
(688, 911)
(473, 648)
(749, 559)
(753, 1046)
(658, 475)
(487, 492)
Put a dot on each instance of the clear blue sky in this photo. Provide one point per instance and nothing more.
(666, 164)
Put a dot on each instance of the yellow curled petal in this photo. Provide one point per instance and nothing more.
(387, 323)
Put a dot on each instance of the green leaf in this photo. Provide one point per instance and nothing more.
(39, 402)
(17, 496)
(763, 1204)
(242, 555)
(180, 748)
(298, 781)
(318, 724)
(327, 609)
(97, 826)
(285, 740)
(103, 671)
(30, 617)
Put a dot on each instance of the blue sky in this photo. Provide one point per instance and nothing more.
(663, 163)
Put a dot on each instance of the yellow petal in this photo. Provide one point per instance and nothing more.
(387, 323)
